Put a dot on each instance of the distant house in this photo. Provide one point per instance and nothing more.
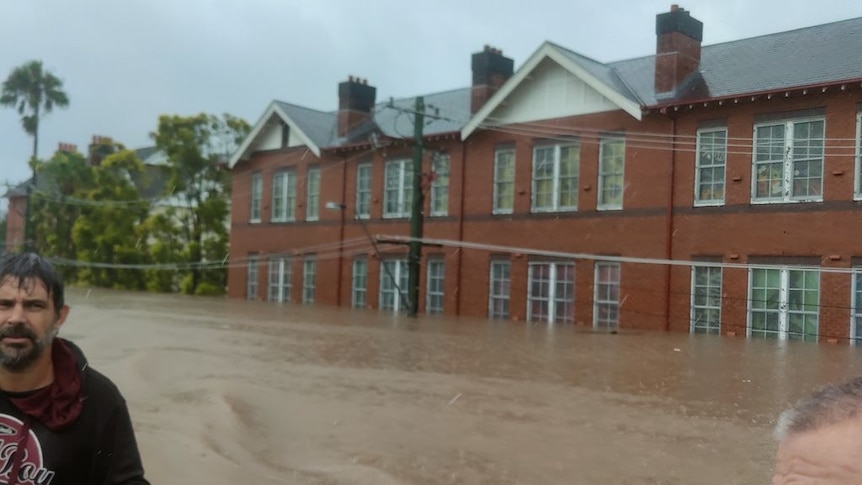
(151, 184)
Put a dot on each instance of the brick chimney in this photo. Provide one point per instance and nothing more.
(100, 147)
(490, 70)
(677, 48)
(355, 104)
(67, 147)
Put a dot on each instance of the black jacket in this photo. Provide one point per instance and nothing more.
(94, 444)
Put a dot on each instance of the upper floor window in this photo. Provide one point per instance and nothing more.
(710, 167)
(284, 196)
(440, 185)
(256, 193)
(398, 189)
(859, 156)
(555, 178)
(611, 174)
(504, 181)
(363, 190)
(788, 161)
(312, 196)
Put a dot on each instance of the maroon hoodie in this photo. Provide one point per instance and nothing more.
(77, 430)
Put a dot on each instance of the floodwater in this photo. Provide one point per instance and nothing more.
(226, 392)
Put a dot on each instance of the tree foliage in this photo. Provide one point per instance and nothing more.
(192, 228)
(33, 92)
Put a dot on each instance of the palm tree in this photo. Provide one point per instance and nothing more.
(34, 92)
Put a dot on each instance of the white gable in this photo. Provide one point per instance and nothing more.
(550, 92)
(549, 85)
(270, 136)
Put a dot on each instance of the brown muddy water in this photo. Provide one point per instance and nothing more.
(227, 392)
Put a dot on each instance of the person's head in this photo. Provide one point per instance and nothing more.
(32, 309)
(820, 437)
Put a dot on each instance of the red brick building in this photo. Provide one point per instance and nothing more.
(561, 191)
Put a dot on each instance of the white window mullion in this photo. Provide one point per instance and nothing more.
(552, 291)
(783, 304)
(788, 160)
(557, 155)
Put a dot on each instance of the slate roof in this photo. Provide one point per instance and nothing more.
(822, 54)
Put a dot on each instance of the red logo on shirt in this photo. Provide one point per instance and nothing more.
(32, 470)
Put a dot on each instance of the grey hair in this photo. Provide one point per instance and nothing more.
(832, 404)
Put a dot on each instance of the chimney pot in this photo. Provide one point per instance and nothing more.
(674, 7)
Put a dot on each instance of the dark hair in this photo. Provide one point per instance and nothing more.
(31, 266)
(832, 404)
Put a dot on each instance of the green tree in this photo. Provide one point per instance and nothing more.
(34, 92)
(55, 204)
(110, 233)
(192, 228)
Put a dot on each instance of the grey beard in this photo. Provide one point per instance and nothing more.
(19, 360)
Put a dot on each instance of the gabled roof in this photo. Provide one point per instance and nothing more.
(319, 129)
(596, 75)
(806, 57)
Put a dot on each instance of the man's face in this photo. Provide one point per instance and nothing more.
(28, 322)
(831, 455)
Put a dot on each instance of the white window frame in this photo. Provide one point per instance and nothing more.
(783, 309)
(555, 191)
(309, 276)
(695, 325)
(856, 307)
(439, 188)
(604, 176)
(788, 168)
(359, 292)
(312, 194)
(435, 286)
(256, 197)
(501, 185)
(552, 299)
(363, 191)
(286, 190)
(504, 282)
(398, 273)
(858, 184)
(601, 301)
(280, 274)
(699, 165)
(404, 189)
(252, 276)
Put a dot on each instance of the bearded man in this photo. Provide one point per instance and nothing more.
(61, 422)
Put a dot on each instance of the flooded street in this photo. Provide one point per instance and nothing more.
(226, 392)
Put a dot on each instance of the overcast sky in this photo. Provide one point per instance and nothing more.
(126, 62)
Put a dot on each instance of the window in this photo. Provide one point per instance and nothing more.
(256, 194)
(551, 293)
(705, 299)
(309, 272)
(284, 196)
(784, 303)
(393, 282)
(280, 273)
(504, 181)
(606, 304)
(251, 282)
(312, 196)
(555, 178)
(434, 288)
(363, 190)
(498, 296)
(856, 312)
(440, 185)
(709, 171)
(398, 189)
(360, 282)
(788, 162)
(611, 167)
(859, 156)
